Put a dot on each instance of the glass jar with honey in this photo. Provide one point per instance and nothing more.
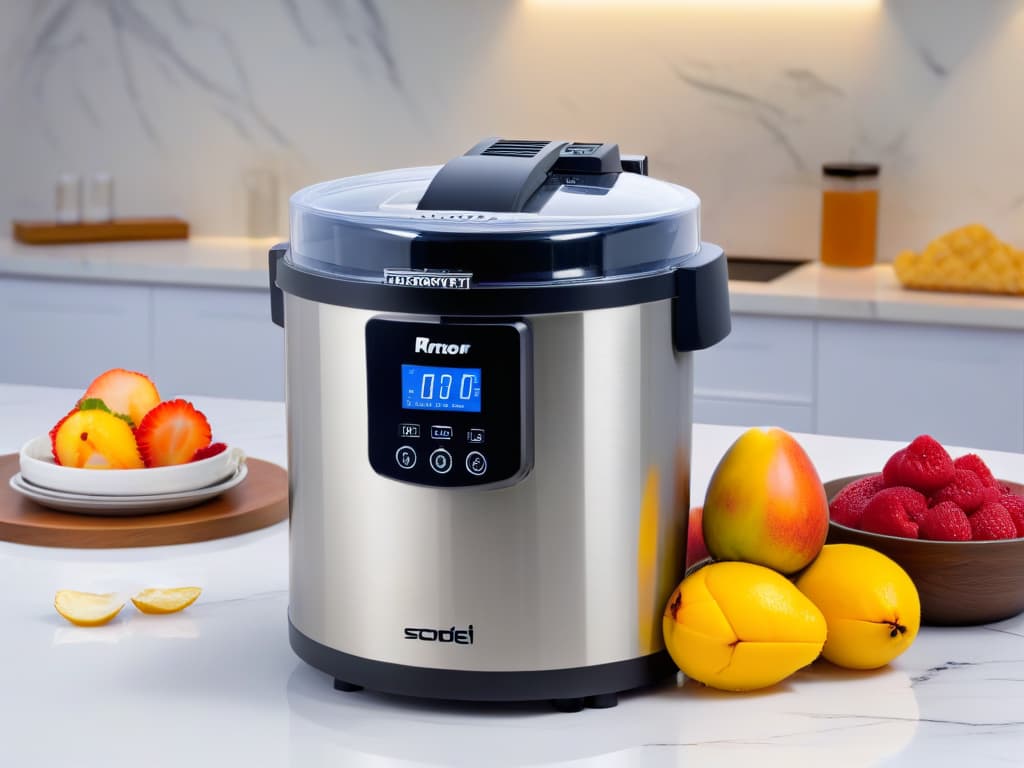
(849, 214)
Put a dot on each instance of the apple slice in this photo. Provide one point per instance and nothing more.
(166, 600)
(86, 609)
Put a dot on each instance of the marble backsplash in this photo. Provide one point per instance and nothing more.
(187, 102)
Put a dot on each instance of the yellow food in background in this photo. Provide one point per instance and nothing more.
(86, 609)
(165, 600)
(869, 602)
(970, 258)
(738, 627)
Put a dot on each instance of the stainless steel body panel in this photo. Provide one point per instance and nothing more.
(569, 567)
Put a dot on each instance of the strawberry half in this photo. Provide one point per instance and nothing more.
(53, 434)
(211, 450)
(171, 433)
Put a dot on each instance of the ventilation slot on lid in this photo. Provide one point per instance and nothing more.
(513, 148)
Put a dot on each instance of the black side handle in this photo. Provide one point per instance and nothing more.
(497, 176)
(701, 315)
(276, 294)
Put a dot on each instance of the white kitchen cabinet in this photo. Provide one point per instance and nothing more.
(892, 380)
(762, 373)
(768, 359)
(866, 378)
(214, 341)
(796, 418)
(62, 333)
(191, 340)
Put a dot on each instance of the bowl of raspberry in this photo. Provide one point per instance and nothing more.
(957, 530)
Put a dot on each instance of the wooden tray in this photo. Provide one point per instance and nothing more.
(260, 500)
(49, 232)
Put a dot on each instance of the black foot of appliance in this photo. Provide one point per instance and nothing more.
(569, 690)
(341, 685)
(600, 701)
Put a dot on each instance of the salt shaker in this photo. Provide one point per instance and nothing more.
(69, 198)
(99, 198)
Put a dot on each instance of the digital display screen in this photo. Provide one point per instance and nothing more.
(432, 388)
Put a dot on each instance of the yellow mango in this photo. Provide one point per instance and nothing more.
(869, 602)
(738, 627)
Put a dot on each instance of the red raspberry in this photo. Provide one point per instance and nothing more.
(893, 511)
(890, 471)
(848, 505)
(1015, 506)
(992, 521)
(966, 491)
(924, 466)
(211, 450)
(945, 522)
(973, 462)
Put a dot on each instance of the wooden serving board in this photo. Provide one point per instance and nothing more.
(50, 233)
(260, 500)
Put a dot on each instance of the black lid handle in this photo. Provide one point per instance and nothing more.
(497, 175)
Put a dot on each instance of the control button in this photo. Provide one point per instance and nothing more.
(476, 463)
(441, 433)
(408, 430)
(475, 436)
(441, 461)
(406, 457)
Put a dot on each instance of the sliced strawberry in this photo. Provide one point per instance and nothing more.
(124, 392)
(171, 433)
(211, 450)
(53, 434)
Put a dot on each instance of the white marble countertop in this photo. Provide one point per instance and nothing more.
(871, 293)
(218, 684)
(225, 262)
(238, 262)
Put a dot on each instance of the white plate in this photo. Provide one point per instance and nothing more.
(123, 506)
(39, 468)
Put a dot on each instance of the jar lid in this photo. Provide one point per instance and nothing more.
(850, 170)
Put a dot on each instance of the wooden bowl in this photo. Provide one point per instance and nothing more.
(960, 582)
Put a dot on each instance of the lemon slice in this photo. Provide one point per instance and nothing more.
(86, 609)
(166, 600)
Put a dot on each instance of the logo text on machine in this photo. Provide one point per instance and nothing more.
(425, 345)
(412, 278)
(450, 635)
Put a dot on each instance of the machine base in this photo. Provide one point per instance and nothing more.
(570, 690)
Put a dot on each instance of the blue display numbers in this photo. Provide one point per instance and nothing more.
(431, 388)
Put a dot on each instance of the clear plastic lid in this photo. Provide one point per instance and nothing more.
(573, 227)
